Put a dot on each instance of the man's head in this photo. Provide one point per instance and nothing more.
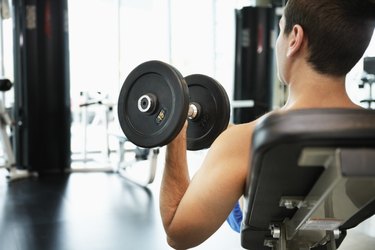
(337, 31)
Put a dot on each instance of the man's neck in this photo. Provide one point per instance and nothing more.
(308, 89)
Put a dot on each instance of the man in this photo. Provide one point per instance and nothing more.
(319, 42)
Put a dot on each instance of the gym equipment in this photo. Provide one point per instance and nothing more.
(312, 178)
(368, 79)
(6, 123)
(142, 161)
(156, 99)
(253, 67)
(5, 85)
(101, 113)
(41, 86)
(369, 65)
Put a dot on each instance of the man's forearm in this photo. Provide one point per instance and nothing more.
(175, 180)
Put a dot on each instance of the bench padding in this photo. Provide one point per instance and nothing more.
(277, 143)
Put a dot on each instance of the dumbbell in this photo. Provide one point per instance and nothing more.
(155, 100)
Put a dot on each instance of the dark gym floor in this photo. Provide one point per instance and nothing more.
(98, 211)
(80, 211)
(86, 211)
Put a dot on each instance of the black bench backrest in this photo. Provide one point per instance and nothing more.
(277, 143)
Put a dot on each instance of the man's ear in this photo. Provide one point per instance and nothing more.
(295, 40)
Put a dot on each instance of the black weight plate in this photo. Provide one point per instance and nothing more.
(161, 126)
(214, 114)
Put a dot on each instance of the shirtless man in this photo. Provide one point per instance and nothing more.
(319, 42)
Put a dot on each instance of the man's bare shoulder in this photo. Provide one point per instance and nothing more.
(235, 140)
(241, 131)
(241, 128)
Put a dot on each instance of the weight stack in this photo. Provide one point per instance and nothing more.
(254, 61)
(41, 85)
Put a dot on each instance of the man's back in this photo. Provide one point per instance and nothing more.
(193, 210)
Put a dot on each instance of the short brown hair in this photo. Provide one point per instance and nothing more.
(338, 31)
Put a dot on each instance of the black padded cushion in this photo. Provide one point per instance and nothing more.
(277, 143)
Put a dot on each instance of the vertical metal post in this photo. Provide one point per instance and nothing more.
(84, 122)
(332, 243)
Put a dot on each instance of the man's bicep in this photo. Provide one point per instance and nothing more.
(214, 189)
(206, 204)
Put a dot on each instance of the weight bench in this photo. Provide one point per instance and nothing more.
(312, 178)
(141, 154)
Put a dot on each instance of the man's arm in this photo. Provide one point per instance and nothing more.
(193, 210)
(175, 180)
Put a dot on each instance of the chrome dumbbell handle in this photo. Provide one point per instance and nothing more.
(194, 111)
